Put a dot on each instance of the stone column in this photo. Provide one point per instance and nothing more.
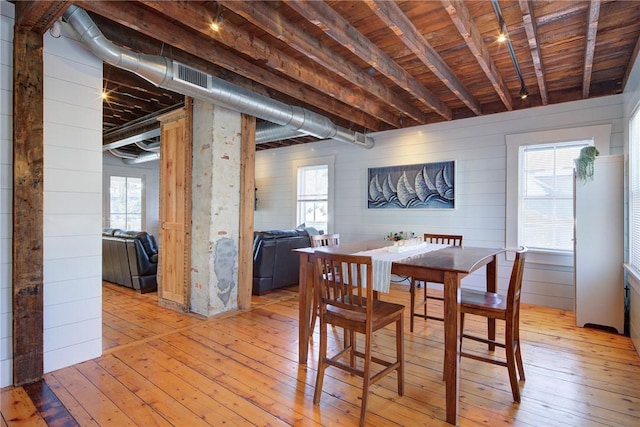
(215, 209)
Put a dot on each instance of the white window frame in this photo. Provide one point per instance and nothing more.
(599, 134)
(143, 207)
(329, 161)
(633, 265)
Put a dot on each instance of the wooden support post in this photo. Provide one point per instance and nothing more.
(28, 197)
(247, 206)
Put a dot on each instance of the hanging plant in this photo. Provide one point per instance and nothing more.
(584, 163)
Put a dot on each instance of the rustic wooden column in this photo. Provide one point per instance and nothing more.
(247, 206)
(28, 196)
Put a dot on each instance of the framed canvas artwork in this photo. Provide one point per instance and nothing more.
(419, 186)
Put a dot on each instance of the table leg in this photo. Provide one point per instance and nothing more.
(451, 340)
(492, 286)
(305, 294)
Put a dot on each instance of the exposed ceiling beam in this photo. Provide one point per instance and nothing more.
(234, 37)
(590, 47)
(469, 31)
(147, 23)
(281, 28)
(336, 27)
(38, 16)
(530, 27)
(391, 14)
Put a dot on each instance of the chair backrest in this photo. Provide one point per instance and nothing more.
(445, 239)
(319, 240)
(515, 284)
(349, 286)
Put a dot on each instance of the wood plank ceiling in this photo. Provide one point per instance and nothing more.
(375, 65)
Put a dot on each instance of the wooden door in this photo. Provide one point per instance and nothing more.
(175, 209)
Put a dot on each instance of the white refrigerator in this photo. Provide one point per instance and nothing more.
(598, 240)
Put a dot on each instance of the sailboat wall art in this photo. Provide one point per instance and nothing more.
(420, 186)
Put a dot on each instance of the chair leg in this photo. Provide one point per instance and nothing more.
(412, 290)
(366, 380)
(516, 340)
(400, 354)
(511, 366)
(314, 313)
(321, 363)
(424, 304)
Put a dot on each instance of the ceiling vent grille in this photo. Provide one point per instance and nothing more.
(190, 75)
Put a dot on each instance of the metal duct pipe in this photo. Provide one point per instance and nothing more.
(142, 158)
(269, 132)
(180, 78)
(149, 146)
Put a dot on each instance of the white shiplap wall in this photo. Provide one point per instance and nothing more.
(478, 147)
(6, 185)
(72, 203)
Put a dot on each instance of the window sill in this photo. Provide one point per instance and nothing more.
(556, 258)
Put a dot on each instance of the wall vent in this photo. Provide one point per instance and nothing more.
(190, 75)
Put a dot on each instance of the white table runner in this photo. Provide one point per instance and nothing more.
(382, 259)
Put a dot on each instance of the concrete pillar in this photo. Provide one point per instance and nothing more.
(215, 209)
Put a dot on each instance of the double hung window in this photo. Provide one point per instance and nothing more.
(125, 203)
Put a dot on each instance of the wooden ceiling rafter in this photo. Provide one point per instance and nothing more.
(469, 31)
(39, 16)
(335, 26)
(530, 28)
(322, 64)
(391, 14)
(279, 27)
(256, 48)
(189, 43)
(590, 46)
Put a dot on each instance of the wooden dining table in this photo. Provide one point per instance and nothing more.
(447, 266)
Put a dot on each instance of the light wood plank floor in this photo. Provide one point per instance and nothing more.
(162, 368)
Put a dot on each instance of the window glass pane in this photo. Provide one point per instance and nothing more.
(134, 195)
(634, 191)
(313, 189)
(125, 203)
(547, 195)
(118, 221)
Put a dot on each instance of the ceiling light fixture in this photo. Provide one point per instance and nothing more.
(524, 93)
(217, 21)
(502, 37)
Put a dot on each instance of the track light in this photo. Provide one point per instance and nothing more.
(523, 93)
(215, 25)
(502, 37)
(217, 21)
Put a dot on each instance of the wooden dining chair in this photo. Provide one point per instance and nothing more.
(447, 239)
(319, 240)
(503, 307)
(348, 303)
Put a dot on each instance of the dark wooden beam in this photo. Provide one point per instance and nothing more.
(269, 19)
(153, 26)
(590, 46)
(28, 200)
(38, 16)
(191, 15)
(530, 27)
(335, 26)
(469, 31)
(391, 14)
